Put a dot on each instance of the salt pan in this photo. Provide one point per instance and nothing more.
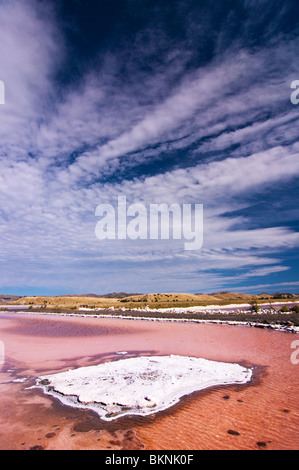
(141, 385)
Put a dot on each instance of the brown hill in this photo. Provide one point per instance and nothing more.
(119, 295)
(67, 301)
(167, 297)
(226, 295)
(112, 295)
(154, 300)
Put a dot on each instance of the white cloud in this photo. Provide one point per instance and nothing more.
(76, 136)
(29, 53)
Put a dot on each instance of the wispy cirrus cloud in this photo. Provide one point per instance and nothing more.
(193, 113)
(158, 120)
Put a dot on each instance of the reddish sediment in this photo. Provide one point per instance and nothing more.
(261, 415)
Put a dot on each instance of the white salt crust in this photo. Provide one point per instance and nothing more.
(141, 385)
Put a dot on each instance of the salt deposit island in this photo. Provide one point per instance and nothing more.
(139, 386)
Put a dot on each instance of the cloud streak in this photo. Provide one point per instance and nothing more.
(212, 125)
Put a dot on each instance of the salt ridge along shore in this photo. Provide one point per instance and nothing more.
(225, 309)
(211, 309)
(139, 386)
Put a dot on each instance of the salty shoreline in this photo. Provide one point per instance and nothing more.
(232, 314)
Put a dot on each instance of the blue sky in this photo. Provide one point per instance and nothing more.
(184, 102)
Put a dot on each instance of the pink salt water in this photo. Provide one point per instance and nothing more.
(263, 414)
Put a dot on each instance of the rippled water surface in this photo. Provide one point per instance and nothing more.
(261, 415)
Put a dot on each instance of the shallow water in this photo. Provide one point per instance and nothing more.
(261, 415)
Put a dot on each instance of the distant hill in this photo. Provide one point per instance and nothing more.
(155, 300)
(68, 301)
(226, 295)
(8, 298)
(118, 295)
(284, 295)
(78, 295)
(112, 295)
(166, 297)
